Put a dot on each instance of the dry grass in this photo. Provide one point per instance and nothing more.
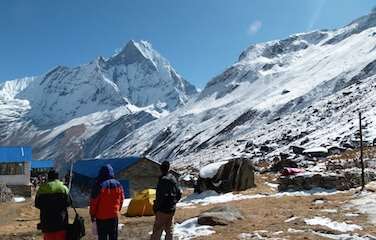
(18, 221)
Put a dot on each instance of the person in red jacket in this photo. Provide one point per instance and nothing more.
(105, 203)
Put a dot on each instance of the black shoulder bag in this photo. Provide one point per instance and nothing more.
(76, 230)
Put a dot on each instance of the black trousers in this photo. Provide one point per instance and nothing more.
(107, 229)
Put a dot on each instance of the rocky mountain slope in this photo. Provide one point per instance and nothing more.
(59, 111)
(305, 90)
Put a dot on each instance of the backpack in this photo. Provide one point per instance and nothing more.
(172, 194)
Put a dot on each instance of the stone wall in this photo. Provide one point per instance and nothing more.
(21, 190)
(18, 173)
(344, 180)
(143, 174)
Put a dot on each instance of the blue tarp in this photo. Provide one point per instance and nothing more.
(42, 164)
(90, 168)
(15, 154)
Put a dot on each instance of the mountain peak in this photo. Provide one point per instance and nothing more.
(131, 53)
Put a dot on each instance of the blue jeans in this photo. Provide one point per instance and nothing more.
(107, 229)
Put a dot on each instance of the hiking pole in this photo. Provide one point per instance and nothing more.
(70, 175)
(361, 149)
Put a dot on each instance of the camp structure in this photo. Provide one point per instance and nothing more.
(41, 167)
(134, 173)
(142, 204)
(15, 167)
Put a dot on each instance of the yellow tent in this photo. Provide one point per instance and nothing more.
(141, 204)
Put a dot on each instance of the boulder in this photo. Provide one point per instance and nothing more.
(6, 194)
(235, 175)
(265, 148)
(222, 215)
(297, 150)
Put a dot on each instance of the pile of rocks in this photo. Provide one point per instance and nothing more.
(6, 194)
(350, 178)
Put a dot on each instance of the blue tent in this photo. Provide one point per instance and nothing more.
(42, 164)
(15, 154)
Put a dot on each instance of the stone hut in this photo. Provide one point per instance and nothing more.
(15, 169)
(134, 173)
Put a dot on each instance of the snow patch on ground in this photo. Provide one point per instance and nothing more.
(212, 197)
(329, 210)
(291, 230)
(366, 203)
(291, 219)
(338, 226)
(191, 229)
(345, 236)
(272, 185)
(19, 199)
(256, 235)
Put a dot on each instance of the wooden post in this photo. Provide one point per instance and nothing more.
(361, 149)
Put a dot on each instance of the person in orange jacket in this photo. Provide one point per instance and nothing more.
(106, 202)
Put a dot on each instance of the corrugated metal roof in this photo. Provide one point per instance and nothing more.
(90, 168)
(42, 164)
(15, 154)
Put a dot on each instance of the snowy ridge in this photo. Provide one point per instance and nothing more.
(303, 90)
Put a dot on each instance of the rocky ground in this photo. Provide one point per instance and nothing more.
(267, 215)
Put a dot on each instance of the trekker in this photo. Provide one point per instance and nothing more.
(168, 194)
(53, 200)
(105, 204)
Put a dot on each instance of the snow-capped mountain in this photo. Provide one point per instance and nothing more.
(136, 75)
(71, 105)
(304, 90)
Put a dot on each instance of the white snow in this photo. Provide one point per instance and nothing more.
(351, 214)
(211, 197)
(211, 170)
(316, 149)
(338, 226)
(19, 199)
(190, 229)
(272, 185)
(329, 210)
(291, 230)
(346, 236)
(291, 219)
(366, 203)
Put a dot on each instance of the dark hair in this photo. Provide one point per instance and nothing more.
(52, 175)
(165, 166)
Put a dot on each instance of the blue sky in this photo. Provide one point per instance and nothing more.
(199, 37)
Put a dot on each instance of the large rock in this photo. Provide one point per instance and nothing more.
(235, 175)
(222, 215)
(297, 150)
(6, 194)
